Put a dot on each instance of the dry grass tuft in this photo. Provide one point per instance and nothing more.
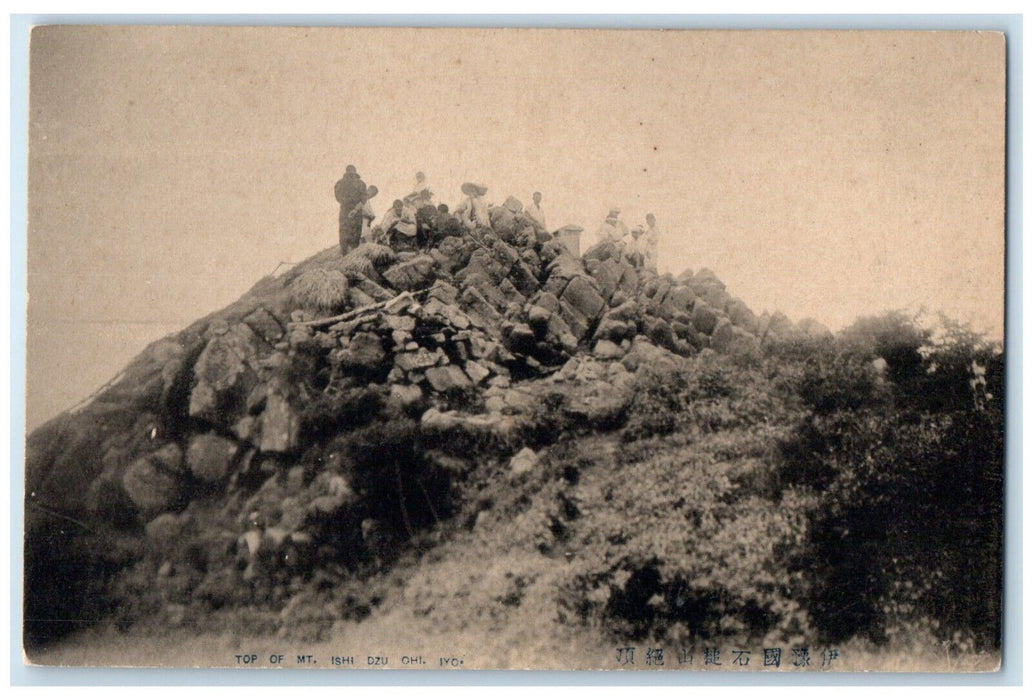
(325, 289)
(380, 255)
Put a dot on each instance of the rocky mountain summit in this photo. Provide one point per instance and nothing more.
(636, 454)
(235, 419)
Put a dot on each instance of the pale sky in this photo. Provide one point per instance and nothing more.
(823, 174)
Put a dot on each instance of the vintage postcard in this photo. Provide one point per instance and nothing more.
(385, 348)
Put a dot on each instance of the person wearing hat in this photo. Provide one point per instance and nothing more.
(535, 211)
(652, 243)
(349, 192)
(613, 229)
(473, 210)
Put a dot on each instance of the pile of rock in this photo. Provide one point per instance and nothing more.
(467, 336)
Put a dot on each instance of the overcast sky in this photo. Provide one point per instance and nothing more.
(823, 174)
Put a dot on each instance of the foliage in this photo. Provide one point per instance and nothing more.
(339, 408)
(397, 484)
(703, 395)
(678, 549)
(906, 524)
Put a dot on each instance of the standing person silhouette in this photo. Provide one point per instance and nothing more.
(350, 192)
(652, 243)
(535, 211)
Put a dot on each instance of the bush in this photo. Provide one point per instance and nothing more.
(905, 526)
(338, 409)
(840, 383)
(685, 554)
(397, 484)
(910, 526)
(702, 395)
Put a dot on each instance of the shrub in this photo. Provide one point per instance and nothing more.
(398, 485)
(910, 526)
(840, 382)
(349, 406)
(702, 395)
(682, 553)
(906, 523)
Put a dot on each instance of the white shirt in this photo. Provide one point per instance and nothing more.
(536, 214)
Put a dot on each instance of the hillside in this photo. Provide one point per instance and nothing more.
(494, 438)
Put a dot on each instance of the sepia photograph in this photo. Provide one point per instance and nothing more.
(515, 348)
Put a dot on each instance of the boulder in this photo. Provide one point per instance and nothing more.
(476, 304)
(601, 402)
(608, 275)
(415, 273)
(265, 325)
(574, 319)
(523, 462)
(614, 329)
(505, 254)
(154, 483)
(560, 332)
(365, 351)
(741, 315)
(547, 301)
(448, 312)
(643, 352)
(373, 290)
(678, 300)
(447, 378)
(503, 222)
(629, 282)
(164, 529)
(661, 333)
(560, 271)
(705, 279)
(443, 292)
(280, 425)
(519, 338)
(476, 371)
(406, 395)
(607, 350)
(810, 328)
(584, 298)
(510, 293)
(210, 456)
(523, 278)
(497, 425)
(718, 298)
(538, 318)
(704, 319)
(400, 323)
(779, 326)
(224, 375)
(732, 340)
(602, 251)
(419, 359)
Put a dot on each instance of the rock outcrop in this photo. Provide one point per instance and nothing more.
(249, 422)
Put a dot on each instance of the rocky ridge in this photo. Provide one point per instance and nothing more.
(295, 436)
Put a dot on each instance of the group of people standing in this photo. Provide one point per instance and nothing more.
(638, 246)
(415, 221)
